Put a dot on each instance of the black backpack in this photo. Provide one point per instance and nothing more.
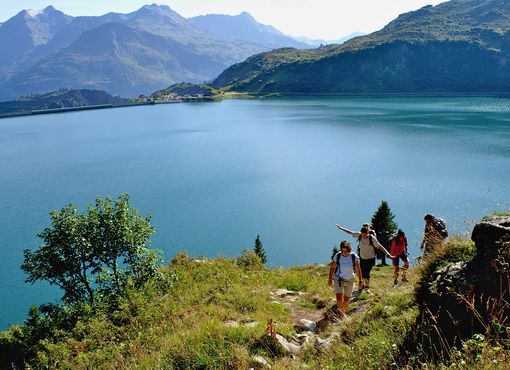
(337, 269)
(440, 227)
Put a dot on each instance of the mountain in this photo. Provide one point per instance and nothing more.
(318, 42)
(125, 54)
(457, 46)
(244, 27)
(182, 90)
(28, 29)
(63, 98)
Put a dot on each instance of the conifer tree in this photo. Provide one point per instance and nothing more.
(334, 251)
(259, 250)
(383, 223)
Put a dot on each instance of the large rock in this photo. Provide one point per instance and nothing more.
(466, 298)
(305, 325)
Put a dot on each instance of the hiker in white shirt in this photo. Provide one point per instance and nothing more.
(368, 246)
(344, 266)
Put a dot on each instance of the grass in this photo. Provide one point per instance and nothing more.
(184, 327)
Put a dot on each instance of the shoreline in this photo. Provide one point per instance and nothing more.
(227, 96)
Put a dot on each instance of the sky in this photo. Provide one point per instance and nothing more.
(324, 19)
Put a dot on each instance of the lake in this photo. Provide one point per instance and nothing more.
(214, 175)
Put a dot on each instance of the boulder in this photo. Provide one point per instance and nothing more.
(280, 346)
(261, 361)
(324, 345)
(464, 298)
(290, 347)
(282, 293)
(250, 324)
(306, 325)
(231, 324)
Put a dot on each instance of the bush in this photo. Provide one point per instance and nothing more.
(249, 260)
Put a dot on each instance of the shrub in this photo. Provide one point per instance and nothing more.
(249, 260)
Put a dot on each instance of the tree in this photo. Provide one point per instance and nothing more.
(334, 251)
(94, 254)
(383, 224)
(259, 249)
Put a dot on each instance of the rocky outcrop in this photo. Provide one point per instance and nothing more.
(465, 298)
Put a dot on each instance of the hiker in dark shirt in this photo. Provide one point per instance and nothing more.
(368, 246)
(434, 234)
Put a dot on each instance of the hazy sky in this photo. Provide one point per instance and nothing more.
(327, 19)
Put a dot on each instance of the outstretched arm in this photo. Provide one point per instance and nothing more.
(344, 229)
(379, 245)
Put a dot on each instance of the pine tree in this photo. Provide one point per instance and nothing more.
(383, 224)
(334, 251)
(259, 250)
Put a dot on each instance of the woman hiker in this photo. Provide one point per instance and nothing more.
(343, 267)
(399, 250)
(368, 246)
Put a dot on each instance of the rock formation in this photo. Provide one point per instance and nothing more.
(465, 298)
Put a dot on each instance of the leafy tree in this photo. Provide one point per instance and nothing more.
(383, 224)
(259, 249)
(94, 254)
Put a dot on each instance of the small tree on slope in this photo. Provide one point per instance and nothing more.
(259, 249)
(383, 224)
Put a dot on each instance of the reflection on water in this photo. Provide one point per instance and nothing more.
(214, 175)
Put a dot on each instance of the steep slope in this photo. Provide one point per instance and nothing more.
(145, 50)
(244, 27)
(118, 59)
(458, 46)
(28, 29)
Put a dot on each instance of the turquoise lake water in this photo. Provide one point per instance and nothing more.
(214, 175)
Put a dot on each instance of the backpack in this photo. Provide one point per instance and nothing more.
(440, 227)
(337, 269)
(369, 241)
(394, 238)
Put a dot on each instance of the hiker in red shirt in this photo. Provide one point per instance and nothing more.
(398, 249)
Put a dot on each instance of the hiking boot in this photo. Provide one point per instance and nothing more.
(404, 280)
(367, 289)
(395, 283)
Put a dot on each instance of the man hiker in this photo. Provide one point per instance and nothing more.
(434, 234)
(343, 268)
(399, 250)
(367, 248)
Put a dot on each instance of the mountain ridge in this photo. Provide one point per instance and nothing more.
(166, 49)
(457, 46)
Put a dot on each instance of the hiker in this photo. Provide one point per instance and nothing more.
(399, 250)
(343, 267)
(367, 249)
(434, 235)
(380, 254)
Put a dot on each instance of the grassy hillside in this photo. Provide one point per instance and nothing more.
(447, 48)
(63, 98)
(214, 315)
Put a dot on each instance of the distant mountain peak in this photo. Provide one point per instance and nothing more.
(49, 10)
(34, 12)
(247, 15)
(159, 9)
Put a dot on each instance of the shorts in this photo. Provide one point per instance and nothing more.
(344, 287)
(366, 267)
(403, 257)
